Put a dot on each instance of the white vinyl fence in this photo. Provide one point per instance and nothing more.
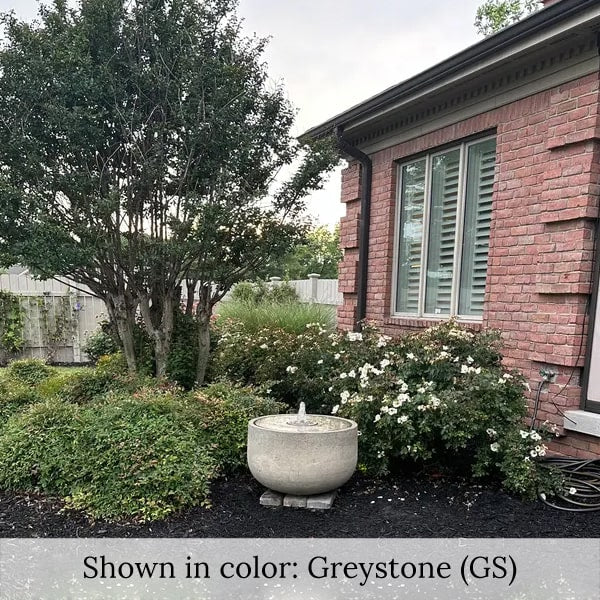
(317, 290)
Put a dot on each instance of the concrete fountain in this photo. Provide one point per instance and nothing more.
(302, 459)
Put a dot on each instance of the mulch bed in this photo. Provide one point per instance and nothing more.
(397, 507)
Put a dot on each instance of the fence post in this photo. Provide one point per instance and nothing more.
(275, 281)
(314, 286)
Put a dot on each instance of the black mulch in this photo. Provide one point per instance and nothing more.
(400, 507)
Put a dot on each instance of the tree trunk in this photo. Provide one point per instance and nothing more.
(161, 332)
(122, 314)
(191, 293)
(203, 346)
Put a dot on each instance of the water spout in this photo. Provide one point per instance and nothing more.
(300, 419)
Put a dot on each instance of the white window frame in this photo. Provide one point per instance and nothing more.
(458, 238)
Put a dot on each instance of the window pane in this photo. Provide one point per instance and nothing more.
(442, 232)
(476, 237)
(412, 195)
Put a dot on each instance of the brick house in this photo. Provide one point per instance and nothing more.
(472, 191)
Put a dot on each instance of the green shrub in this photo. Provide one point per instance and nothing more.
(442, 397)
(293, 367)
(260, 292)
(29, 371)
(141, 454)
(100, 343)
(14, 397)
(130, 458)
(222, 416)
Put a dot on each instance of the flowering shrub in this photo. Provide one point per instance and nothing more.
(442, 397)
(291, 367)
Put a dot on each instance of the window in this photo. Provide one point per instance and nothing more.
(445, 205)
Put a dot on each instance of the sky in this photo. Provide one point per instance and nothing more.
(332, 54)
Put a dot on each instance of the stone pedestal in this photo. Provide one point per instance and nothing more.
(315, 502)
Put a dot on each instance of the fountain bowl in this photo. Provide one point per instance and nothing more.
(311, 456)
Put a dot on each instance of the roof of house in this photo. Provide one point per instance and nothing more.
(540, 30)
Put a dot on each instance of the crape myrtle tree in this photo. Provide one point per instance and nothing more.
(494, 15)
(139, 142)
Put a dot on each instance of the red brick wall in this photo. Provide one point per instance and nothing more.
(541, 243)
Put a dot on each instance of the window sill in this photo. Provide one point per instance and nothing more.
(582, 421)
(424, 322)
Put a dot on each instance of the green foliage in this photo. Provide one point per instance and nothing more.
(14, 397)
(260, 292)
(290, 317)
(138, 145)
(292, 367)
(135, 458)
(12, 320)
(181, 364)
(318, 253)
(222, 420)
(29, 371)
(100, 343)
(442, 398)
(494, 15)
(141, 454)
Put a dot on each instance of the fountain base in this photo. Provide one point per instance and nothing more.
(315, 502)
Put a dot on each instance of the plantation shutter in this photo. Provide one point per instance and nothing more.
(442, 232)
(412, 197)
(481, 164)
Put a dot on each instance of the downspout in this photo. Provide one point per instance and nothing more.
(364, 222)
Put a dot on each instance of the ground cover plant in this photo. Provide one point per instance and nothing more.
(122, 447)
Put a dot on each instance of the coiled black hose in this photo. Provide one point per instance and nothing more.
(581, 491)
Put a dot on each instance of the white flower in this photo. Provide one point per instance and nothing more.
(501, 380)
(464, 369)
(421, 407)
(470, 360)
(353, 336)
(535, 436)
(410, 356)
(507, 376)
(384, 363)
(330, 389)
(264, 346)
(345, 395)
(320, 361)
(392, 411)
(402, 419)
(421, 390)
(495, 447)
(383, 340)
(380, 454)
(478, 370)
(291, 369)
(491, 432)
(377, 417)
(352, 373)
(335, 409)
(533, 453)
(343, 375)
(572, 491)
(434, 401)
(524, 434)
(336, 356)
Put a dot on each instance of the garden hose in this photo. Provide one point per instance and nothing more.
(581, 477)
(581, 484)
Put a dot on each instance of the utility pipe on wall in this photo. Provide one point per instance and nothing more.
(364, 222)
